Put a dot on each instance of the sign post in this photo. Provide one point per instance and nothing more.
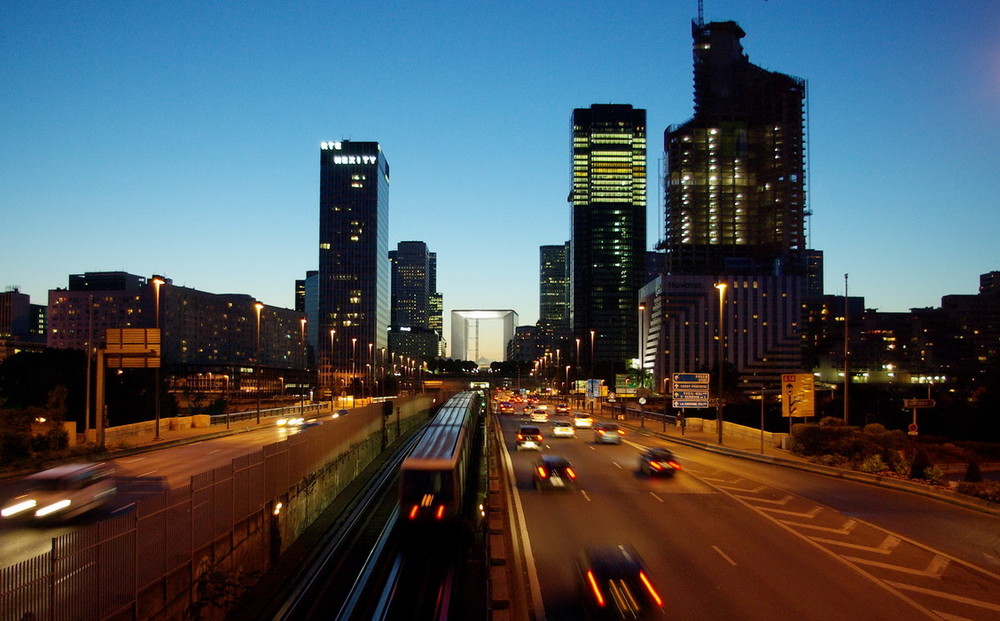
(916, 404)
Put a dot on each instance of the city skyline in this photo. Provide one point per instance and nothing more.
(185, 136)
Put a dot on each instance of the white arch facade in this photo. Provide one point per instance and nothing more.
(465, 331)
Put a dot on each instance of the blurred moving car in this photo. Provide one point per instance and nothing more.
(62, 492)
(539, 415)
(529, 438)
(616, 584)
(608, 433)
(563, 429)
(583, 421)
(506, 407)
(554, 472)
(658, 462)
(562, 408)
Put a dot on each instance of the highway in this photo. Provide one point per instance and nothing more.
(729, 538)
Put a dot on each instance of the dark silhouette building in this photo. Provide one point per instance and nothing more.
(413, 303)
(353, 280)
(607, 248)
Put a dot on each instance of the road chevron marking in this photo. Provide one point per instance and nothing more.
(810, 514)
(935, 569)
(757, 490)
(886, 547)
(780, 501)
(955, 598)
(843, 530)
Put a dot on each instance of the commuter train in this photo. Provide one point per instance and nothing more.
(435, 477)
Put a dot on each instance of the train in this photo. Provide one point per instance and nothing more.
(435, 478)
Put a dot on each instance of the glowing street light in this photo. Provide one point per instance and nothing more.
(157, 282)
(718, 412)
(258, 306)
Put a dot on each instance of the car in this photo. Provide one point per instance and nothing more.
(583, 421)
(658, 462)
(563, 429)
(539, 415)
(608, 433)
(506, 407)
(529, 438)
(62, 492)
(554, 472)
(562, 408)
(616, 584)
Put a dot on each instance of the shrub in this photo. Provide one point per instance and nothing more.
(933, 474)
(972, 473)
(987, 490)
(873, 464)
(14, 446)
(919, 465)
(875, 429)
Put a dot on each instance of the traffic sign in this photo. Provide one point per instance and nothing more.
(690, 394)
(690, 390)
(690, 403)
(694, 378)
(919, 403)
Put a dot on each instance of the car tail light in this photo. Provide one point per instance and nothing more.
(655, 465)
(542, 472)
(596, 590)
(538, 437)
(649, 587)
(674, 465)
(621, 432)
(414, 511)
(440, 512)
(571, 473)
(520, 437)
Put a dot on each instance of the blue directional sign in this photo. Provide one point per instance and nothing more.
(690, 390)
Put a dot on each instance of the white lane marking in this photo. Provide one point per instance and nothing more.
(585, 495)
(146, 474)
(954, 598)
(617, 465)
(215, 451)
(886, 547)
(935, 569)
(655, 496)
(724, 555)
(131, 461)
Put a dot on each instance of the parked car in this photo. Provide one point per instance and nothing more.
(658, 462)
(62, 492)
(616, 584)
(554, 472)
(563, 429)
(608, 433)
(529, 438)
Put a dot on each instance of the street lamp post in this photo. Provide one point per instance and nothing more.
(157, 281)
(305, 371)
(718, 412)
(354, 349)
(258, 306)
(593, 333)
(333, 372)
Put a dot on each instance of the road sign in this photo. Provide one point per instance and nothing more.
(690, 390)
(919, 403)
(798, 395)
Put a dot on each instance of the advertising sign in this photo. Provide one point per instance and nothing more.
(798, 395)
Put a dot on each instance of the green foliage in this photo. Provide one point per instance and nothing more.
(15, 446)
(933, 474)
(986, 490)
(873, 464)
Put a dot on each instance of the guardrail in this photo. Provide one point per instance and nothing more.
(284, 411)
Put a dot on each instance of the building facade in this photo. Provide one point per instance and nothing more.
(607, 248)
(354, 279)
(413, 305)
(553, 290)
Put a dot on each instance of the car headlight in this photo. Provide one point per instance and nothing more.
(56, 506)
(20, 507)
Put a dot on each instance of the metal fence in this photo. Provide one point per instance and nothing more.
(168, 554)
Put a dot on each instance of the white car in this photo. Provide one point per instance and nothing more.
(62, 492)
(563, 429)
(538, 415)
(583, 421)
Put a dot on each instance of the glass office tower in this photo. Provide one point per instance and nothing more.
(354, 291)
(607, 248)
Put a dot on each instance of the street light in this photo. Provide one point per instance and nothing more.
(258, 306)
(354, 349)
(567, 379)
(592, 334)
(333, 383)
(157, 281)
(718, 412)
(302, 342)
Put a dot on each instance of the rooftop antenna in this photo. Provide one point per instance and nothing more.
(701, 14)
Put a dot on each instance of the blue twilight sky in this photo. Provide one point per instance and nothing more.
(182, 138)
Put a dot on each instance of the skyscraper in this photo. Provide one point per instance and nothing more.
(353, 259)
(413, 281)
(735, 177)
(553, 291)
(607, 248)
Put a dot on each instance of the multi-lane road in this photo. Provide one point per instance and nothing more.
(735, 539)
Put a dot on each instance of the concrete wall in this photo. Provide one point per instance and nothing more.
(732, 430)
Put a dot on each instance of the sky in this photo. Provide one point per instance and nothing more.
(182, 138)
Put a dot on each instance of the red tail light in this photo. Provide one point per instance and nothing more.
(538, 437)
(595, 589)
(674, 465)
(655, 465)
(649, 587)
(440, 512)
(570, 473)
(542, 472)
(520, 437)
(414, 511)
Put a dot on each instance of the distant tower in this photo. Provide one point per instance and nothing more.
(553, 289)
(353, 258)
(607, 248)
(414, 306)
